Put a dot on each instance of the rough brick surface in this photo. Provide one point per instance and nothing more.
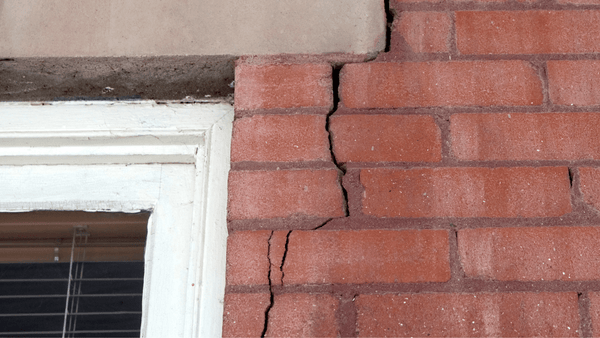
(367, 256)
(468, 315)
(284, 193)
(303, 315)
(466, 192)
(595, 312)
(386, 138)
(529, 254)
(247, 260)
(244, 314)
(280, 138)
(528, 32)
(425, 32)
(517, 136)
(461, 83)
(574, 82)
(590, 185)
(283, 86)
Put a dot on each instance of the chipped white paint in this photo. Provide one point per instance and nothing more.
(171, 159)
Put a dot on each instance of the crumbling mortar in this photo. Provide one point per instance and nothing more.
(541, 68)
(585, 324)
(271, 299)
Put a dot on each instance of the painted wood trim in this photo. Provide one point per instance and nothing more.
(130, 156)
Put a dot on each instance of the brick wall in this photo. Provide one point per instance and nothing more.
(450, 187)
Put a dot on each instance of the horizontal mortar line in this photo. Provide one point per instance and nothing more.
(490, 6)
(393, 57)
(355, 223)
(470, 286)
(452, 163)
(292, 165)
(449, 111)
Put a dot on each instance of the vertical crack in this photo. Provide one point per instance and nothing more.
(266, 324)
(287, 242)
(336, 100)
(389, 18)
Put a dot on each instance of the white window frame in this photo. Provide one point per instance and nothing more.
(171, 159)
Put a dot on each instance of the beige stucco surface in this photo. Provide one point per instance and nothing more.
(43, 28)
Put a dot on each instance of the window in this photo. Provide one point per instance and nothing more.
(168, 159)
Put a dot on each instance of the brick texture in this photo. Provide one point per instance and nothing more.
(425, 32)
(466, 192)
(283, 86)
(419, 84)
(575, 83)
(528, 254)
(244, 314)
(247, 260)
(303, 315)
(528, 32)
(367, 256)
(280, 138)
(284, 193)
(518, 136)
(386, 138)
(590, 186)
(469, 315)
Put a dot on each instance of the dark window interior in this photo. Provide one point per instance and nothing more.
(106, 293)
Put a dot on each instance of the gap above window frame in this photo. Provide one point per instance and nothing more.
(170, 158)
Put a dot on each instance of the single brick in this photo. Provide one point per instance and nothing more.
(595, 312)
(531, 254)
(528, 32)
(280, 138)
(386, 138)
(283, 86)
(247, 257)
(367, 256)
(590, 186)
(425, 32)
(575, 83)
(244, 314)
(517, 136)
(515, 314)
(421, 84)
(284, 193)
(466, 192)
(303, 315)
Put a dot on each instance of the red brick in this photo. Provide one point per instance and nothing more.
(247, 257)
(517, 136)
(575, 83)
(590, 186)
(303, 315)
(283, 86)
(466, 192)
(528, 32)
(517, 314)
(595, 312)
(386, 138)
(420, 84)
(280, 138)
(425, 32)
(284, 193)
(244, 314)
(367, 256)
(531, 254)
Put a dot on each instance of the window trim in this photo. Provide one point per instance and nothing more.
(170, 158)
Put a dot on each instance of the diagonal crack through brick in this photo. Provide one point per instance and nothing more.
(266, 325)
